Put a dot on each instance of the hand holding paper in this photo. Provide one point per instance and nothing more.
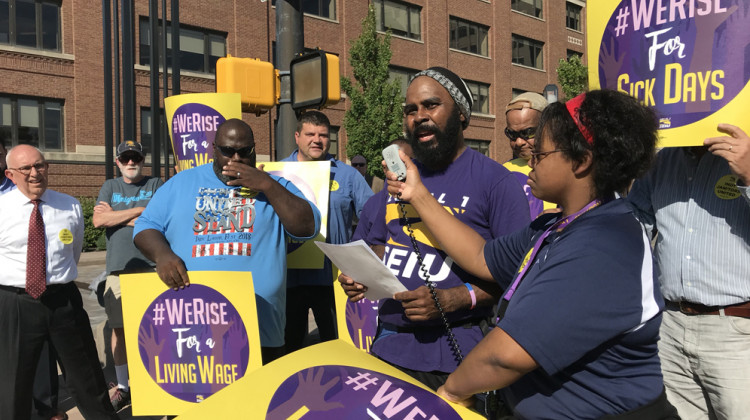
(357, 260)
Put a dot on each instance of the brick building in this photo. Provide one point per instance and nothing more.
(51, 78)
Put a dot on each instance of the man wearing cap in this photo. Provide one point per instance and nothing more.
(472, 187)
(230, 216)
(521, 120)
(698, 200)
(376, 183)
(121, 201)
(312, 289)
(40, 244)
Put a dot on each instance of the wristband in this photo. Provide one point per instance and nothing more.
(472, 294)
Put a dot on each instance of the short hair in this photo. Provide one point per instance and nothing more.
(316, 118)
(624, 137)
(238, 124)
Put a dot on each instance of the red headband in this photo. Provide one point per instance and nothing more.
(574, 109)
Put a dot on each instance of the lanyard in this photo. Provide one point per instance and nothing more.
(557, 227)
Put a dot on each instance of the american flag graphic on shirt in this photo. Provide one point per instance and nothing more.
(224, 220)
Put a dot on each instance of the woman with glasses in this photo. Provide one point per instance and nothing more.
(579, 319)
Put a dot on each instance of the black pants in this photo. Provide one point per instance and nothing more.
(299, 300)
(58, 316)
(46, 384)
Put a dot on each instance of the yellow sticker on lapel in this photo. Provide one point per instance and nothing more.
(66, 236)
(726, 188)
(334, 185)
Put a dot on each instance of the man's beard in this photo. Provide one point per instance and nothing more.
(129, 175)
(218, 169)
(438, 153)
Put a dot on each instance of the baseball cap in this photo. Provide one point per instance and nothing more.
(129, 146)
(527, 100)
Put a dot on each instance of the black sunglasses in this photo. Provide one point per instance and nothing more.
(243, 152)
(358, 164)
(526, 133)
(135, 157)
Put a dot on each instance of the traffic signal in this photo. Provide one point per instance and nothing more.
(315, 80)
(256, 81)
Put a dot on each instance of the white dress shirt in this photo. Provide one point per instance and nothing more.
(63, 225)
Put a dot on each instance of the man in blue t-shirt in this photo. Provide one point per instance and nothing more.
(229, 216)
(313, 288)
(472, 187)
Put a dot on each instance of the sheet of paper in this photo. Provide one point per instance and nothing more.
(357, 261)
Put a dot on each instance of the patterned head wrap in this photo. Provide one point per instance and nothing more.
(455, 86)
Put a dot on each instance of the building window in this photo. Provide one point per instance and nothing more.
(199, 48)
(516, 92)
(333, 139)
(572, 53)
(402, 75)
(147, 140)
(30, 23)
(468, 36)
(481, 94)
(528, 7)
(401, 19)
(481, 146)
(34, 121)
(322, 8)
(528, 52)
(573, 16)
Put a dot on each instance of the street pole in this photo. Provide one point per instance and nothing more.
(289, 41)
(109, 172)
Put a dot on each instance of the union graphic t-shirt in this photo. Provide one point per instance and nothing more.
(212, 226)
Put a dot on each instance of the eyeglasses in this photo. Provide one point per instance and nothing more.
(136, 158)
(526, 133)
(358, 164)
(243, 152)
(26, 170)
(537, 157)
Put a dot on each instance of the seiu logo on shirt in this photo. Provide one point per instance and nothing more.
(142, 195)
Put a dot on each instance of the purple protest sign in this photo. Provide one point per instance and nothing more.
(193, 131)
(193, 342)
(346, 392)
(361, 322)
(686, 59)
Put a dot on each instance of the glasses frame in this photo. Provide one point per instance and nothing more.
(526, 134)
(243, 152)
(138, 158)
(537, 157)
(26, 170)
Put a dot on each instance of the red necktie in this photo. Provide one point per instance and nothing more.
(36, 254)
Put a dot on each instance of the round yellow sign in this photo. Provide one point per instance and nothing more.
(66, 236)
(334, 185)
(726, 188)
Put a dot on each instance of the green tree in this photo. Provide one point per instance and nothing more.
(573, 76)
(374, 117)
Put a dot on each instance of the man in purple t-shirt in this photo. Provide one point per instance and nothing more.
(479, 191)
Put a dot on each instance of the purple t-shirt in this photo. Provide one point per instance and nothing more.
(483, 195)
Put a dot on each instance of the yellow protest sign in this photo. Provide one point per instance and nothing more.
(192, 120)
(312, 178)
(330, 380)
(686, 60)
(184, 346)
